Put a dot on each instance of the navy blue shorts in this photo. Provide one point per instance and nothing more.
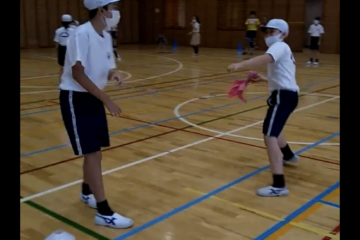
(85, 121)
(281, 104)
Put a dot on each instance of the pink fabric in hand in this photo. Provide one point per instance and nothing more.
(239, 86)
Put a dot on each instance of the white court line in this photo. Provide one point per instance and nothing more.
(110, 83)
(160, 155)
(180, 66)
(179, 116)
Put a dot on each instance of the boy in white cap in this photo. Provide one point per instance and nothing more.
(282, 101)
(89, 64)
(61, 36)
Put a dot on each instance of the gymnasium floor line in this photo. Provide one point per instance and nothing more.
(161, 121)
(131, 96)
(299, 225)
(335, 231)
(163, 217)
(331, 204)
(298, 215)
(165, 153)
(141, 90)
(66, 221)
(175, 130)
(210, 194)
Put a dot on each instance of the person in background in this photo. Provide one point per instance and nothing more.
(252, 24)
(114, 33)
(195, 34)
(316, 30)
(61, 36)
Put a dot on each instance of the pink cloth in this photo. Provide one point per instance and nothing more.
(239, 86)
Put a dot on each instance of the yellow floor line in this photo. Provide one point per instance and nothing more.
(303, 216)
(268, 215)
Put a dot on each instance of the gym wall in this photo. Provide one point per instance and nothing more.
(222, 21)
(40, 18)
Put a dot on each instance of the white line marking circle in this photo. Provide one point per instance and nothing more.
(178, 116)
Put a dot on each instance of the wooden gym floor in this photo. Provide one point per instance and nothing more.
(185, 160)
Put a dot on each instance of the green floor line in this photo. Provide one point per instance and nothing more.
(67, 221)
(101, 237)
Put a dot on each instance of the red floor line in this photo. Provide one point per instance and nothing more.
(333, 232)
(225, 139)
(103, 150)
(174, 130)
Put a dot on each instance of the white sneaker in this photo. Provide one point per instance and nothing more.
(309, 63)
(89, 200)
(316, 63)
(271, 191)
(294, 159)
(114, 221)
(119, 59)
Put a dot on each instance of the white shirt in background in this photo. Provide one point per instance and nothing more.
(62, 34)
(196, 27)
(281, 72)
(316, 30)
(94, 52)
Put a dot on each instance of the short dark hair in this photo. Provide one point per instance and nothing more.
(93, 12)
(317, 18)
(252, 13)
(197, 19)
(66, 24)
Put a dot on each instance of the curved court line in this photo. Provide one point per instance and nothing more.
(179, 106)
(170, 152)
(139, 95)
(148, 124)
(110, 83)
(180, 66)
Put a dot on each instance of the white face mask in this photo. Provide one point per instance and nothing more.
(273, 39)
(114, 20)
(316, 22)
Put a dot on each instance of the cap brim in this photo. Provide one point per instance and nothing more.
(264, 28)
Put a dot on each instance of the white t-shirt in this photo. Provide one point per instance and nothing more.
(62, 34)
(281, 72)
(316, 30)
(196, 27)
(94, 52)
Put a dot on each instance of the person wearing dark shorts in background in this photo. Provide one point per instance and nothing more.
(89, 64)
(252, 24)
(316, 30)
(61, 36)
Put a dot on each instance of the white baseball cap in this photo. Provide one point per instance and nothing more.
(66, 18)
(94, 4)
(278, 24)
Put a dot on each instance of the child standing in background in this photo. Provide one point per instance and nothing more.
(252, 24)
(316, 30)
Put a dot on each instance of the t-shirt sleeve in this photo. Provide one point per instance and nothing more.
(78, 47)
(56, 38)
(277, 50)
(247, 22)
(310, 29)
